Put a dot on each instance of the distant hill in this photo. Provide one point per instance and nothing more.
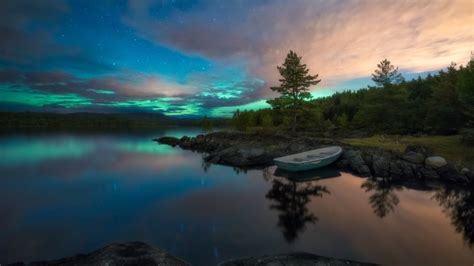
(39, 120)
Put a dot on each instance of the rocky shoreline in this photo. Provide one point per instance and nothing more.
(139, 253)
(252, 150)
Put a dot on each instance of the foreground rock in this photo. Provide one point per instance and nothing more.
(138, 253)
(291, 259)
(250, 150)
(132, 253)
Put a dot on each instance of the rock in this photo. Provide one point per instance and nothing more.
(343, 164)
(296, 147)
(402, 169)
(212, 158)
(465, 171)
(381, 167)
(248, 153)
(448, 172)
(241, 149)
(419, 149)
(414, 157)
(131, 253)
(172, 141)
(435, 162)
(427, 173)
(291, 259)
(356, 163)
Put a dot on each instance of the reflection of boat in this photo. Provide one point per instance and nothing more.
(309, 160)
(315, 174)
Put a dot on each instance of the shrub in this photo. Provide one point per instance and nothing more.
(468, 136)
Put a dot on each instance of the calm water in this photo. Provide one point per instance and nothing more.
(62, 194)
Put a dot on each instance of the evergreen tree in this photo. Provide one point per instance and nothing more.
(466, 89)
(386, 74)
(294, 86)
(206, 124)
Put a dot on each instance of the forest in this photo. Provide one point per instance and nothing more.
(441, 103)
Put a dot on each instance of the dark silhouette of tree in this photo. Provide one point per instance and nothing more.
(458, 205)
(294, 86)
(206, 124)
(386, 74)
(384, 200)
(290, 199)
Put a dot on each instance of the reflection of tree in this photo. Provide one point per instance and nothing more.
(384, 200)
(458, 204)
(290, 199)
(239, 170)
(205, 166)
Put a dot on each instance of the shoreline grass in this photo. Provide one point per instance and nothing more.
(449, 147)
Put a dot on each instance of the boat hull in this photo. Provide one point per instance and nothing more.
(296, 167)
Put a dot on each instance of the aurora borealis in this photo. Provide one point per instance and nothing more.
(211, 57)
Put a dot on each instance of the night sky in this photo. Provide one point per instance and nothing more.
(211, 57)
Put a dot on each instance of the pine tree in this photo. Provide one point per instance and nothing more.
(386, 74)
(294, 86)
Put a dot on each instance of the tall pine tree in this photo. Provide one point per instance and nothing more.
(386, 74)
(294, 86)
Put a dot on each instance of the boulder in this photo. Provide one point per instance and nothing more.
(435, 162)
(414, 157)
(419, 149)
(427, 173)
(448, 172)
(402, 169)
(296, 147)
(291, 259)
(131, 253)
(465, 171)
(356, 163)
(381, 167)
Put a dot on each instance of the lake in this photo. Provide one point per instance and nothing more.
(63, 194)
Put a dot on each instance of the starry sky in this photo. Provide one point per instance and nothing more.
(211, 57)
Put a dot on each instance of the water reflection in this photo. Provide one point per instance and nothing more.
(383, 200)
(290, 199)
(104, 188)
(205, 165)
(318, 174)
(458, 204)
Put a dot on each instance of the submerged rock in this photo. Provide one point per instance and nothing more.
(131, 253)
(291, 259)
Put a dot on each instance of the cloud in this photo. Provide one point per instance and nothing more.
(101, 89)
(125, 91)
(337, 39)
(27, 31)
(22, 43)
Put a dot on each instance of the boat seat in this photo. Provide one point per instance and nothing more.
(298, 159)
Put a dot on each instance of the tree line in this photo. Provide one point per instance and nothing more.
(441, 103)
